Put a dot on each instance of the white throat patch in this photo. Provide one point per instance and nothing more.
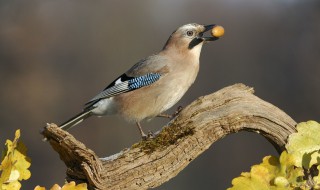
(196, 50)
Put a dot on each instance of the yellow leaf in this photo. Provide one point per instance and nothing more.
(258, 178)
(55, 187)
(68, 186)
(281, 182)
(72, 186)
(39, 188)
(271, 163)
(7, 162)
(244, 183)
(14, 175)
(6, 167)
(14, 165)
(22, 161)
(17, 134)
(15, 185)
(273, 173)
(305, 142)
(287, 171)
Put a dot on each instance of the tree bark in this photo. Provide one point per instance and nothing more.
(148, 164)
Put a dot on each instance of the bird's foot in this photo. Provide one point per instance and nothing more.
(171, 116)
(149, 136)
(179, 109)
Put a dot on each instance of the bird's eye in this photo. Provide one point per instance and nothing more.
(190, 33)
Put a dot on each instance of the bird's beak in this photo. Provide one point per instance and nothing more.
(200, 38)
(208, 28)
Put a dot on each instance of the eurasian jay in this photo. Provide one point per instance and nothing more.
(154, 84)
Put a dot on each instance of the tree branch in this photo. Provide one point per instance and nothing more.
(150, 163)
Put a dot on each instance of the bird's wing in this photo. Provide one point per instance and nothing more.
(125, 84)
(143, 73)
(152, 64)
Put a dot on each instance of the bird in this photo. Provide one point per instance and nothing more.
(155, 83)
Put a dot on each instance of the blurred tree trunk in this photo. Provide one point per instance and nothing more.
(148, 164)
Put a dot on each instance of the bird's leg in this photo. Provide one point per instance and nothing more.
(172, 115)
(143, 135)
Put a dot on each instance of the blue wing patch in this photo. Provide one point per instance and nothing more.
(125, 84)
(142, 81)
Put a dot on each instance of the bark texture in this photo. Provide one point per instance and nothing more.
(150, 163)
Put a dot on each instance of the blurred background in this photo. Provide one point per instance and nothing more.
(56, 55)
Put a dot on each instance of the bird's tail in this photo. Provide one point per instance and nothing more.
(76, 119)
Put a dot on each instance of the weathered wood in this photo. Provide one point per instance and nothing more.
(150, 163)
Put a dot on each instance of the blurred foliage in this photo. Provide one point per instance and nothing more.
(15, 167)
(290, 170)
(14, 164)
(68, 186)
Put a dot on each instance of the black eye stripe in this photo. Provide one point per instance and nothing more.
(195, 42)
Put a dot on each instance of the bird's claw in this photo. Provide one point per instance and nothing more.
(179, 109)
(149, 136)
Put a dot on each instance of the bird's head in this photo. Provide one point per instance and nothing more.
(190, 37)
